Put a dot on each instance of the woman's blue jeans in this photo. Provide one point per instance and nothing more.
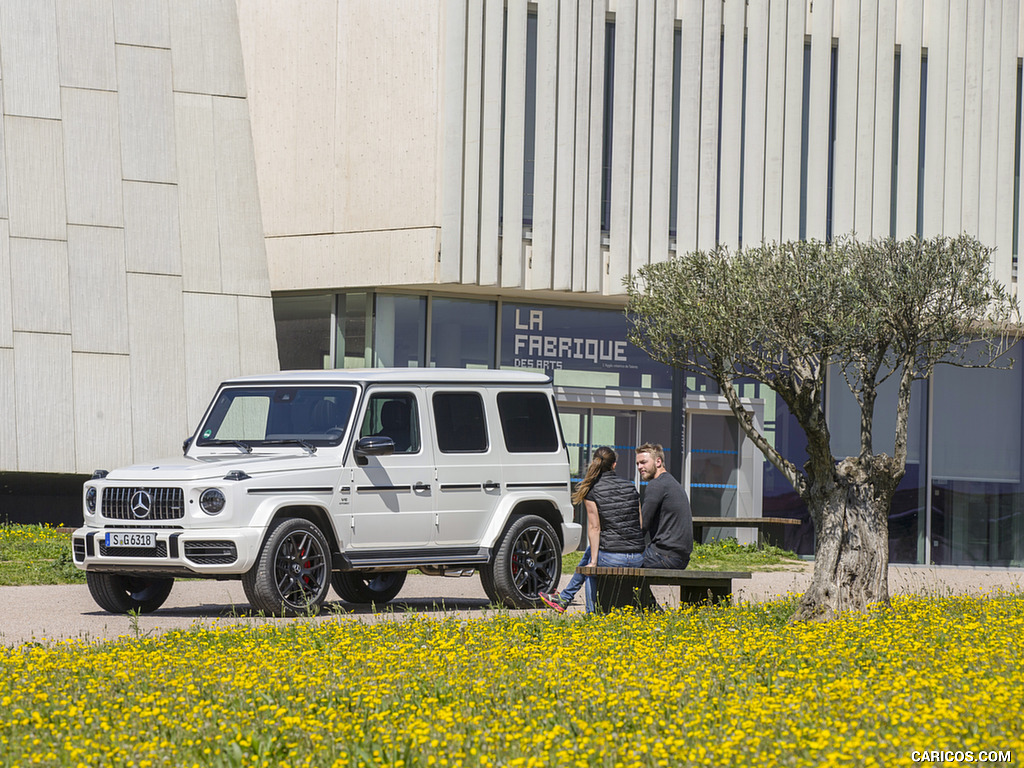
(612, 559)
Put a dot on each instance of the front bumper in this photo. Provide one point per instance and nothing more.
(177, 552)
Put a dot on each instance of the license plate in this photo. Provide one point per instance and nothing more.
(137, 540)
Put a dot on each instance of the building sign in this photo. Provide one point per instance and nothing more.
(572, 339)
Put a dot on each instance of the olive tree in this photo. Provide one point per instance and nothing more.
(784, 315)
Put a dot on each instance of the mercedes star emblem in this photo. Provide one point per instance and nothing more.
(141, 503)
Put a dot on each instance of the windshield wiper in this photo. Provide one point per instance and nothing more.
(293, 441)
(243, 447)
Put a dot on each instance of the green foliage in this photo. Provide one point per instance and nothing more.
(720, 555)
(730, 555)
(36, 554)
(782, 313)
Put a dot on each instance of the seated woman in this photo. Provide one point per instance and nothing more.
(613, 527)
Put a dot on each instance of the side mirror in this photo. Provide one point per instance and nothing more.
(185, 445)
(374, 446)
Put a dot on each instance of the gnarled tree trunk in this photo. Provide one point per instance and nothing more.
(851, 522)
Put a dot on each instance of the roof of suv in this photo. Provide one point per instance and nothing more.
(399, 375)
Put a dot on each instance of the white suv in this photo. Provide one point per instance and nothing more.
(298, 481)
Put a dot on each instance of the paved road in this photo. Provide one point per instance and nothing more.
(68, 612)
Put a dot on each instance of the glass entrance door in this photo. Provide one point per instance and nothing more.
(714, 464)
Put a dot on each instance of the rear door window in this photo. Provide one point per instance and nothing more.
(527, 422)
(459, 421)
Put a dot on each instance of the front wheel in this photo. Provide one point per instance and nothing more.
(293, 571)
(528, 560)
(367, 588)
(120, 593)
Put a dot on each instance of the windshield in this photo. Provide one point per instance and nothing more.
(247, 417)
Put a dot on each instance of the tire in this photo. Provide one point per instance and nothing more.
(293, 571)
(487, 582)
(528, 560)
(121, 593)
(366, 588)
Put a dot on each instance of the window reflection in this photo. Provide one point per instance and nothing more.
(303, 331)
(462, 333)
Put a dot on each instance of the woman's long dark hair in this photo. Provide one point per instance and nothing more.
(604, 459)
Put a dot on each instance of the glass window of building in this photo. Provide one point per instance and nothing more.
(304, 331)
(578, 347)
(462, 333)
(977, 501)
(399, 331)
(352, 345)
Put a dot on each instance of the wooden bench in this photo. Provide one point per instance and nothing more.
(700, 523)
(620, 587)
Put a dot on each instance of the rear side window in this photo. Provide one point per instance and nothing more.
(527, 422)
(459, 419)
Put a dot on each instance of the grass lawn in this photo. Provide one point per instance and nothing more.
(36, 554)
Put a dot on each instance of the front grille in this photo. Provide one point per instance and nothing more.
(79, 546)
(211, 552)
(143, 503)
(159, 551)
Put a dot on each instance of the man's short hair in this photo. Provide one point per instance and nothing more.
(656, 451)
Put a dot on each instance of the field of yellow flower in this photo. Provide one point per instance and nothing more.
(723, 686)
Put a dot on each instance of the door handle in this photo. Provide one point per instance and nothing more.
(490, 485)
(421, 486)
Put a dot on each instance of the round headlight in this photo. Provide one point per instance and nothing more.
(212, 501)
(90, 500)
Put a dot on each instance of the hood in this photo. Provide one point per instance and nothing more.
(183, 469)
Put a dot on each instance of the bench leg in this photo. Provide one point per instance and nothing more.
(622, 592)
(703, 595)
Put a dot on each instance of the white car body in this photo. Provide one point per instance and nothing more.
(441, 505)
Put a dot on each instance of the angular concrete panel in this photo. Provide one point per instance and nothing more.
(92, 157)
(395, 257)
(35, 174)
(146, 114)
(44, 401)
(206, 48)
(8, 411)
(257, 340)
(28, 52)
(99, 300)
(389, 82)
(211, 348)
(156, 337)
(3, 163)
(103, 420)
(243, 261)
(142, 22)
(197, 191)
(6, 300)
(39, 285)
(151, 232)
(85, 34)
(294, 127)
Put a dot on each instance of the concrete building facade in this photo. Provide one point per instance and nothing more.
(340, 183)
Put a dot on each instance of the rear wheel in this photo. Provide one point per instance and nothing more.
(292, 573)
(120, 593)
(528, 560)
(366, 588)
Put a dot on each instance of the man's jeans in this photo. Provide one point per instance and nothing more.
(659, 558)
(613, 559)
